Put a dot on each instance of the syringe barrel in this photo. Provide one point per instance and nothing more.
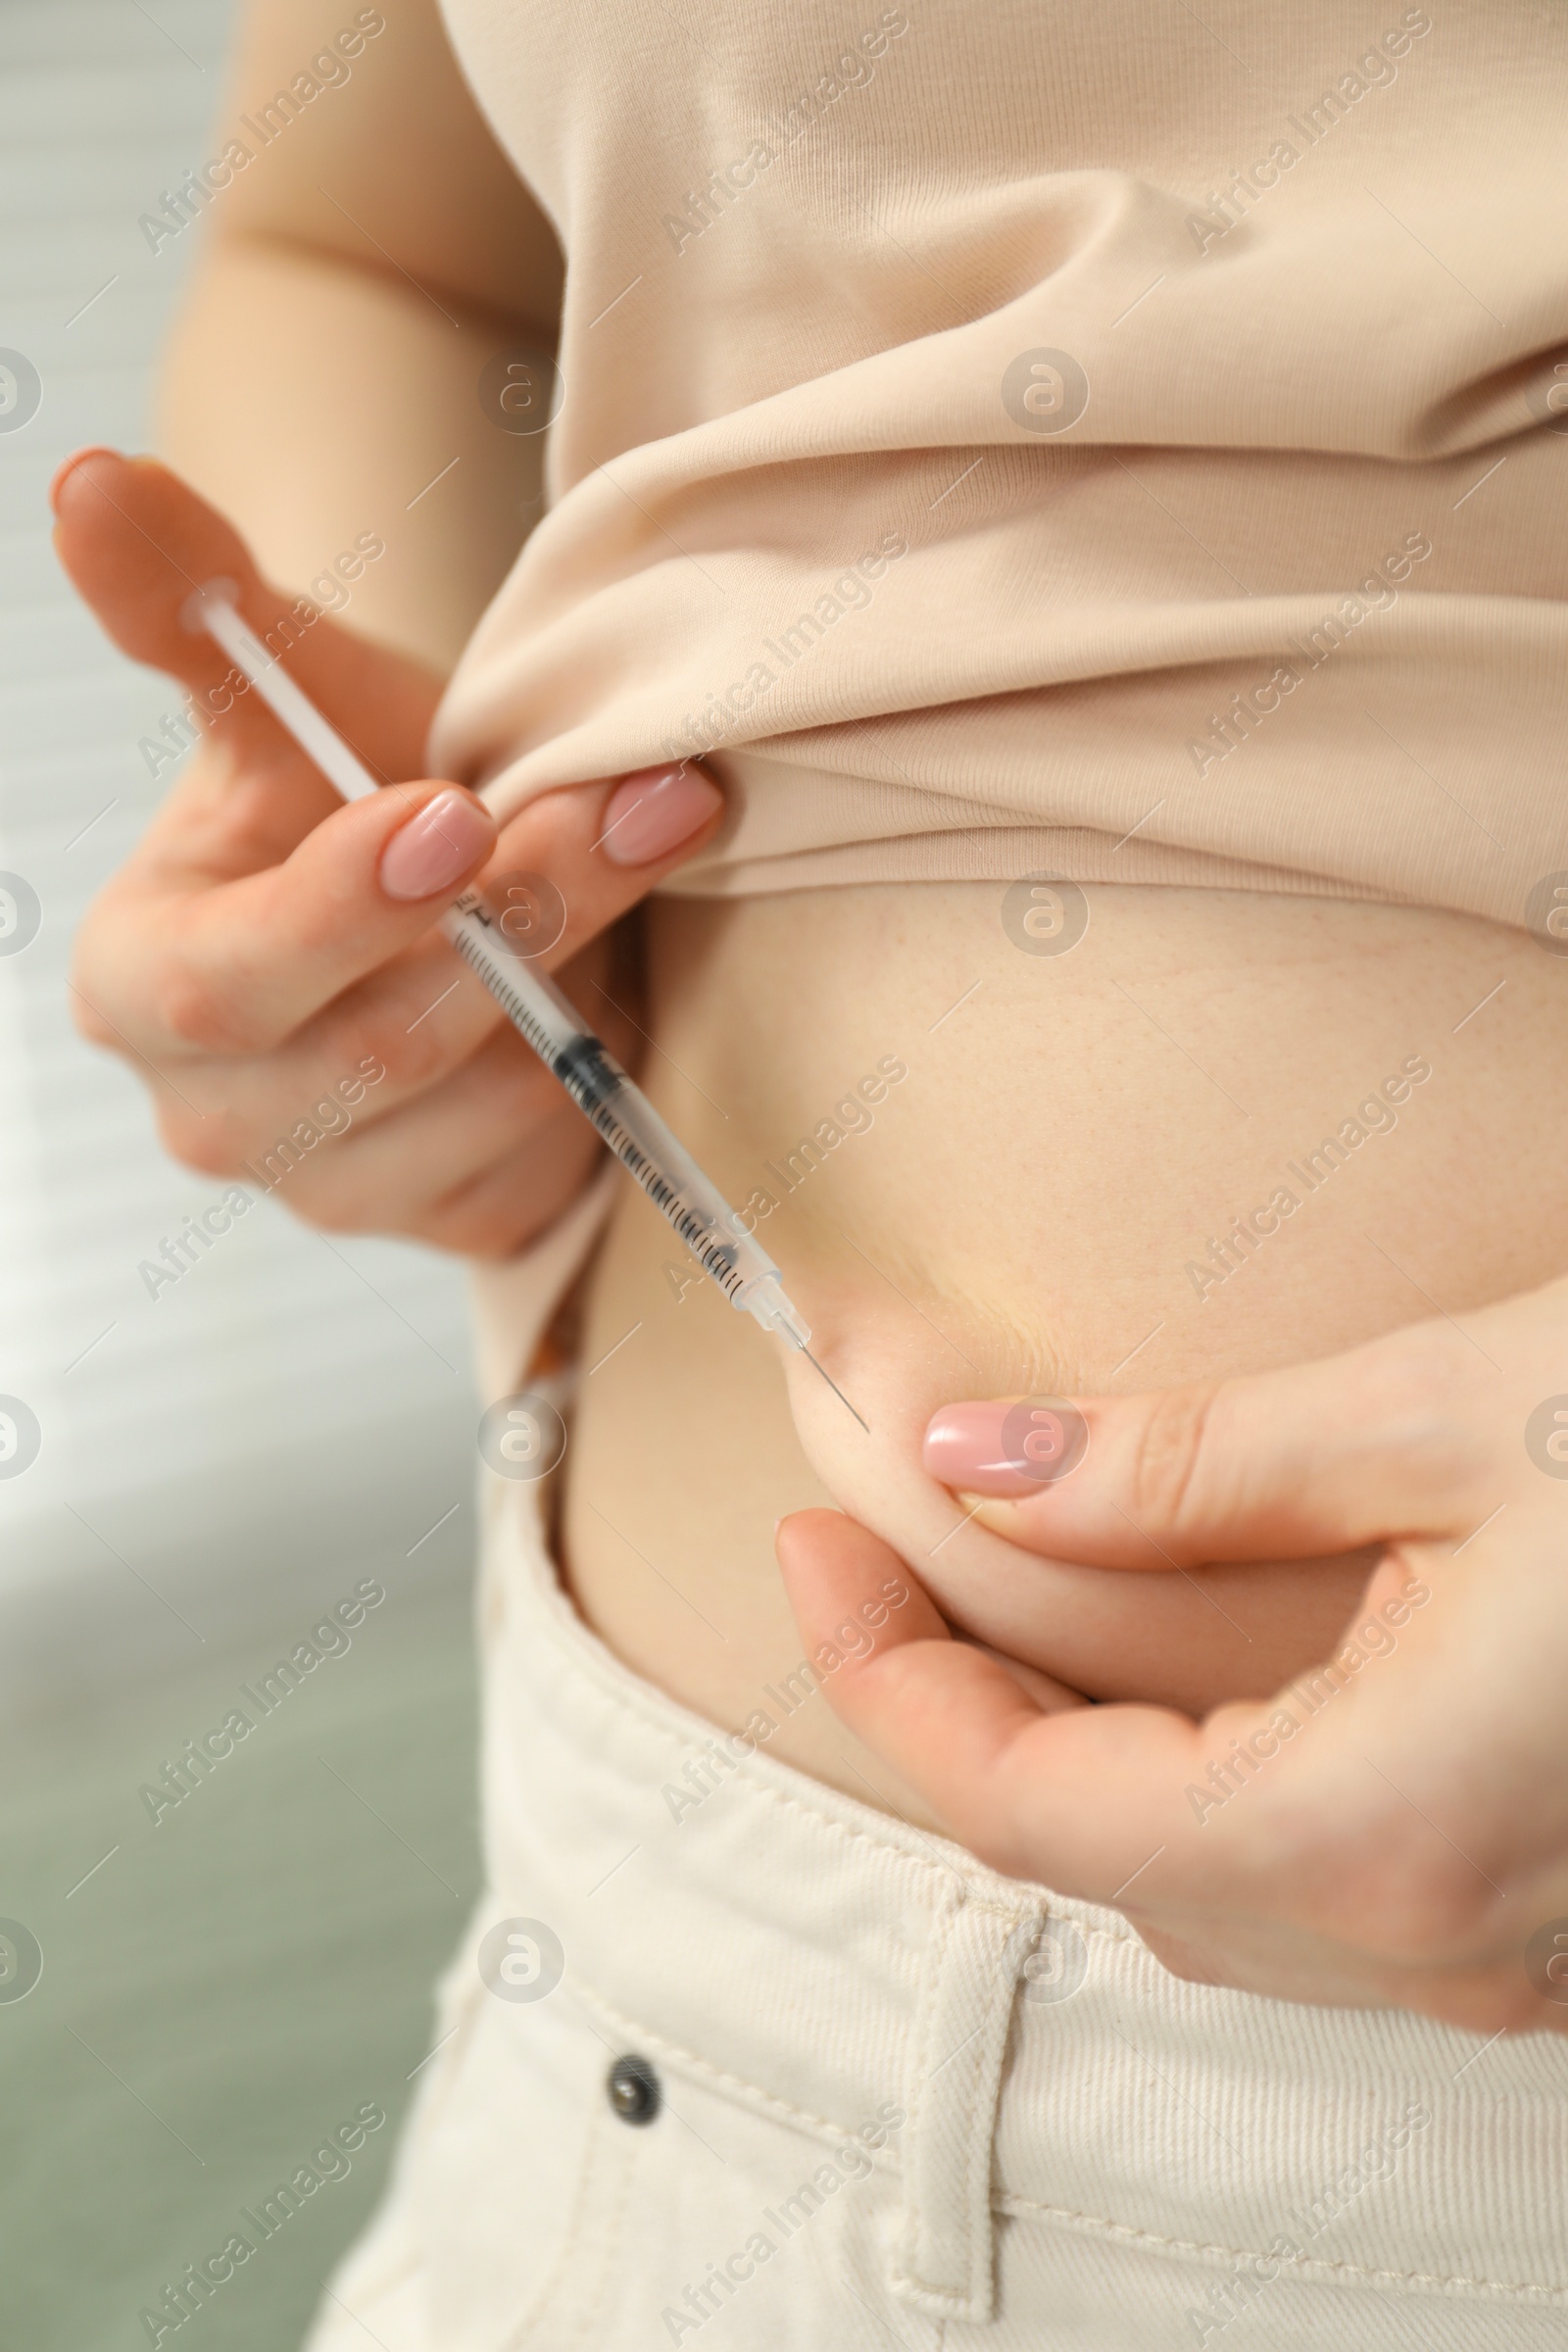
(699, 1213)
(635, 1131)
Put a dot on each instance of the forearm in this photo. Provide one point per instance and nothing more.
(319, 404)
(361, 268)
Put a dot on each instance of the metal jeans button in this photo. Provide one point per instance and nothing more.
(634, 2091)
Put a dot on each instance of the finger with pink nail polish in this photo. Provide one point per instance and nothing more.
(650, 813)
(1008, 1446)
(434, 852)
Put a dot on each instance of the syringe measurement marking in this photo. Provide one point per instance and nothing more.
(698, 1237)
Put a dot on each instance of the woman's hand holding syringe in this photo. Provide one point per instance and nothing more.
(264, 946)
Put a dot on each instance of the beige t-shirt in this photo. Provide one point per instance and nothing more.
(1116, 440)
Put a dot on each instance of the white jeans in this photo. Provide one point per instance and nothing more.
(888, 2097)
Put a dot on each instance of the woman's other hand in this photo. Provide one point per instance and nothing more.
(1391, 1828)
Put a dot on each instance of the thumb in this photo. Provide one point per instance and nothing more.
(1319, 1460)
(136, 542)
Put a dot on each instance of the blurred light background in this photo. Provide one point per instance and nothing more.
(216, 1467)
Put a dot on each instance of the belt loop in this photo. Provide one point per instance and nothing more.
(945, 2259)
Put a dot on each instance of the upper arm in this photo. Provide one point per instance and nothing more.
(386, 163)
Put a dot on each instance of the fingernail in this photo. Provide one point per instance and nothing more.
(437, 848)
(1005, 1445)
(964, 1448)
(78, 457)
(653, 812)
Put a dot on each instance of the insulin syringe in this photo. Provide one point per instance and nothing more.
(593, 1078)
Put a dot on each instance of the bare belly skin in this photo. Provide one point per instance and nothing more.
(1031, 1208)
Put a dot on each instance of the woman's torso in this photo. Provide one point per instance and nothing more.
(1080, 440)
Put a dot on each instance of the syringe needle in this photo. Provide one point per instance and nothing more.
(834, 1386)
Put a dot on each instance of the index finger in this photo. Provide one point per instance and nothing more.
(1080, 1798)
